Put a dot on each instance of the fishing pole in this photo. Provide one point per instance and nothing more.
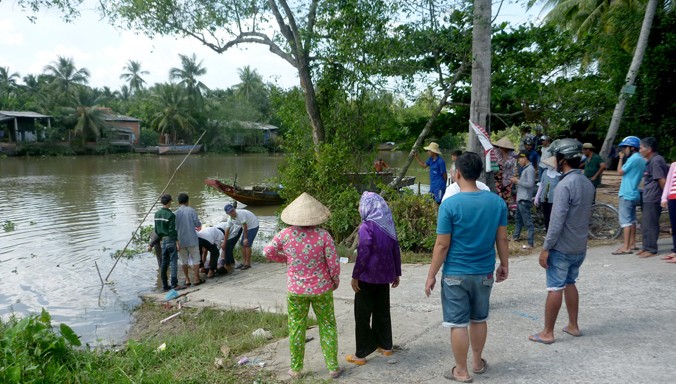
(153, 206)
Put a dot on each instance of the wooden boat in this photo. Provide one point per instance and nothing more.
(178, 149)
(255, 196)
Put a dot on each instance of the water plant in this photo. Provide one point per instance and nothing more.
(8, 226)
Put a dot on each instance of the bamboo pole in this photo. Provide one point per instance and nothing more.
(153, 206)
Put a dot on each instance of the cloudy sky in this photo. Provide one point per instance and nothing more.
(26, 47)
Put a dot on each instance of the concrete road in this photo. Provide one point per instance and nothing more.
(627, 315)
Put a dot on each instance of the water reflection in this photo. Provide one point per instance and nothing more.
(72, 211)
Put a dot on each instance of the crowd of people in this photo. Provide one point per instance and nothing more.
(471, 248)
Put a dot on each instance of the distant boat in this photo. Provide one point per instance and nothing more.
(254, 196)
(386, 146)
(168, 149)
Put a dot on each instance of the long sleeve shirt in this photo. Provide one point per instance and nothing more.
(669, 192)
(569, 224)
(378, 256)
(524, 188)
(310, 254)
(165, 223)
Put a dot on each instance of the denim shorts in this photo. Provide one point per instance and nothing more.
(627, 212)
(563, 269)
(250, 236)
(465, 298)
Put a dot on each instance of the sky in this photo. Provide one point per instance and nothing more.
(27, 47)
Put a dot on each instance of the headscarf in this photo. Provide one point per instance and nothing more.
(373, 208)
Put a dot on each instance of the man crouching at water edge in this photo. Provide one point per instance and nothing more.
(468, 259)
(565, 246)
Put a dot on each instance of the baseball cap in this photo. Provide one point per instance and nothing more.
(521, 154)
(228, 208)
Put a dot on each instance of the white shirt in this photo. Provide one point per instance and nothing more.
(455, 188)
(234, 228)
(244, 217)
(211, 234)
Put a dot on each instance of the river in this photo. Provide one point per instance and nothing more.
(61, 215)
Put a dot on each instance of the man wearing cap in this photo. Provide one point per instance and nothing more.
(249, 223)
(565, 245)
(629, 196)
(165, 228)
(593, 166)
(525, 185)
(187, 225)
(437, 167)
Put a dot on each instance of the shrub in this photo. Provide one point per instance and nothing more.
(415, 218)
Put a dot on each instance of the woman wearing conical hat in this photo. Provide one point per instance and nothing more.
(313, 274)
(506, 166)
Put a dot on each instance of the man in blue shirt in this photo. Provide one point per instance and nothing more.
(469, 226)
(437, 167)
(631, 171)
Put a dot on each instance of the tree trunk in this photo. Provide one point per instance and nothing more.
(311, 106)
(480, 104)
(636, 61)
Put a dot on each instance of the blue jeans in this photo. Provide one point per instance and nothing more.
(169, 257)
(627, 211)
(563, 269)
(465, 298)
(523, 217)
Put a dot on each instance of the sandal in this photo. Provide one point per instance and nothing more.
(245, 267)
(483, 368)
(355, 360)
(336, 374)
(202, 281)
(450, 375)
(294, 374)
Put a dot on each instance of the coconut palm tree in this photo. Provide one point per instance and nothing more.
(251, 85)
(66, 75)
(187, 75)
(86, 115)
(7, 81)
(174, 116)
(133, 75)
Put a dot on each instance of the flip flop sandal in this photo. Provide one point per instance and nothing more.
(536, 339)
(198, 283)
(245, 267)
(386, 352)
(336, 374)
(450, 375)
(353, 359)
(483, 368)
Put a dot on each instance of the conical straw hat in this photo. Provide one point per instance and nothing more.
(504, 143)
(551, 161)
(305, 211)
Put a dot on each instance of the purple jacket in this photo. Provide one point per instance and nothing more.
(378, 256)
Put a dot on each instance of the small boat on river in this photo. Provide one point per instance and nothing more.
(169, 149)
(254, 196)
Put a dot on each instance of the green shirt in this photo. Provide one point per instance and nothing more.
(165, 223)
(591, 167)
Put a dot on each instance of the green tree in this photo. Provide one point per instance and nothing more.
(251, 87)
(86, 115)
(187, 75)
(133, 75)
(66, 76)
(7, 80)
(173, 112)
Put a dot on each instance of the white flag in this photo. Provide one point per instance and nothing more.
(483, 136)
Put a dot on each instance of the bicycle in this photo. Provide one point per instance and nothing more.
(604, 222)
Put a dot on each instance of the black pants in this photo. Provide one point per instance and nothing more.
(547, 213)
(230, 248)
(372, 318)
(651, 225)
(213, 250)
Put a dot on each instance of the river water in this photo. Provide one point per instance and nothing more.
(61, 215)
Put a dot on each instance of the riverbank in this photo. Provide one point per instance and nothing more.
(626, 305)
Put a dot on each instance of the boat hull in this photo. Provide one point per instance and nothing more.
(254, 196)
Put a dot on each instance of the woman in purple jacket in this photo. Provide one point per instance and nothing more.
(377, 266)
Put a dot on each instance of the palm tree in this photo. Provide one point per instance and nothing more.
(133, 75)
(66, 75)
(173, 116)
(251, 85)
(187, 75)
(7, 80)
(86, 115)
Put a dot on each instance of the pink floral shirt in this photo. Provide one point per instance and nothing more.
(311, 258)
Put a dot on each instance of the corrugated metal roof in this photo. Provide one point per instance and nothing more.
(23, 114)
(113, 117)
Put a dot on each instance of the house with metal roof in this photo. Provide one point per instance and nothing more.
(23, 126)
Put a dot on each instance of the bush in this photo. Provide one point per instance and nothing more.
(415, 218)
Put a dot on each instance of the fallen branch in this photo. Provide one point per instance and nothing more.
(170, 317)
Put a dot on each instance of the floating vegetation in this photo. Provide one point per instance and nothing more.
(8, 226)
(138, 245)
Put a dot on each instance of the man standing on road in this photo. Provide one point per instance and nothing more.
(468, 258)
(654, 178)
(165, 228)
(525, 184)
(629, 197)
(187, 225)
(249, 223)
(565, 246)
(593, 166)
(437, 167)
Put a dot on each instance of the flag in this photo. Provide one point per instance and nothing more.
(483, 136)
(485, 142)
